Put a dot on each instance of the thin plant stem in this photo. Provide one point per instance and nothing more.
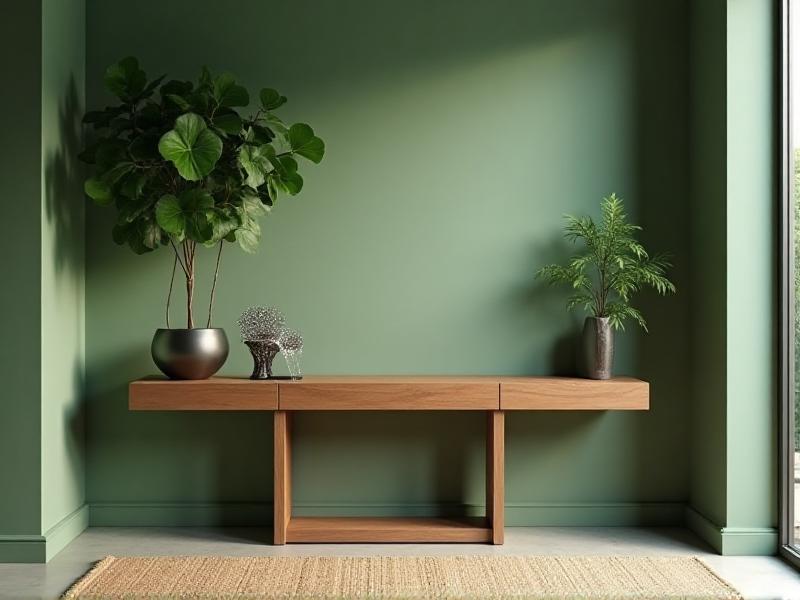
(188, 256)
(175, 249)
(214, 285)
(171, 281)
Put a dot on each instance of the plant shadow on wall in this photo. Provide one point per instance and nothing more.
(64, 215)
(63, 176)
(184, 170)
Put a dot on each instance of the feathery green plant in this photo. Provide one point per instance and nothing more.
(612, 268)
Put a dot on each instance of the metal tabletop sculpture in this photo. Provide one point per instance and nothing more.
(265, 333)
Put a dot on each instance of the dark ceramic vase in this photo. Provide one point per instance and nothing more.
(263, 352)
(189, 353)
(597, 348)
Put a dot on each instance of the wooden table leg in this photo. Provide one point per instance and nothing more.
(282, 491)
(495, 475)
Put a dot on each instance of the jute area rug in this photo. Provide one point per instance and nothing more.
(402, 577)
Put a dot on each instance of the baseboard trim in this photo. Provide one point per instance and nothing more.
(704, 528)
(41, 548)
(22, 549)
(729, 541)
(733, 541)
(595, 514)
(259, 514)
(180, 514)
(725, 540)
(66, 530)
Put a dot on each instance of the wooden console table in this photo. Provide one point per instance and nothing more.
(493, 395)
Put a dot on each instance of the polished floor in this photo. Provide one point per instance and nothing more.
(757, 577)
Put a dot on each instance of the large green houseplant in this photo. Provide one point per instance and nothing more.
(186, 169)
(611, 268)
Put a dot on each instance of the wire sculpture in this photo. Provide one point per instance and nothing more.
(264, 331)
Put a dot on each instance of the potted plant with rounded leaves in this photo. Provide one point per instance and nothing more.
(187, 170)
(612, 267)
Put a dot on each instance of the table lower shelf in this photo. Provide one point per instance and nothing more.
(388, 530)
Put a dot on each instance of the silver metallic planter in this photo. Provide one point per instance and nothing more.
(189, 353)
(597, 348)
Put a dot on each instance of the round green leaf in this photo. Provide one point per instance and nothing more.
(196, 204)
(191, 147)
(224, 221)
(125, 79)
(173, 86)
(178, 101)
(252, 207)
(287, 177)
(228, 93)
(229, 122)
(169, 215)
(98, 190)
(271, 99)
(305, 143)
(131, 209)
(149, 232)
(117, 172)
(248, 237)
(187, 215)
(255, 160)
(293, 183)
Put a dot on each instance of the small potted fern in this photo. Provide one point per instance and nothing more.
(611, 268)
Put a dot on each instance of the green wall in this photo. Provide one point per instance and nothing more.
(458, 134)
(20, 361)
(708, 138)
(62, 271)
(733, 500)
(752, 283)
(42, 455)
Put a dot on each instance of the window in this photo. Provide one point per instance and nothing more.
(790, 279)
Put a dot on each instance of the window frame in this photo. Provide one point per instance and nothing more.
(788, 547)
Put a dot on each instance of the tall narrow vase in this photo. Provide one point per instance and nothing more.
(598, 348)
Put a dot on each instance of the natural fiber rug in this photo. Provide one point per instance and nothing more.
(406, 577)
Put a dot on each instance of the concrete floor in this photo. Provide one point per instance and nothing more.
(754, 577)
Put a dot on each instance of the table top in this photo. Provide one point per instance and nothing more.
(391, 392)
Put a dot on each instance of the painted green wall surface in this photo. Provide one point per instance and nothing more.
(752, 216)
(734, 484)
(62, 216)
(458, 134)
(41, 443)
(708, 139)
(20, 359)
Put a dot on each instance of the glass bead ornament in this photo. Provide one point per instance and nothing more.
(291, 345)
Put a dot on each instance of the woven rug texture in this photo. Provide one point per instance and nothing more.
(402, 577)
